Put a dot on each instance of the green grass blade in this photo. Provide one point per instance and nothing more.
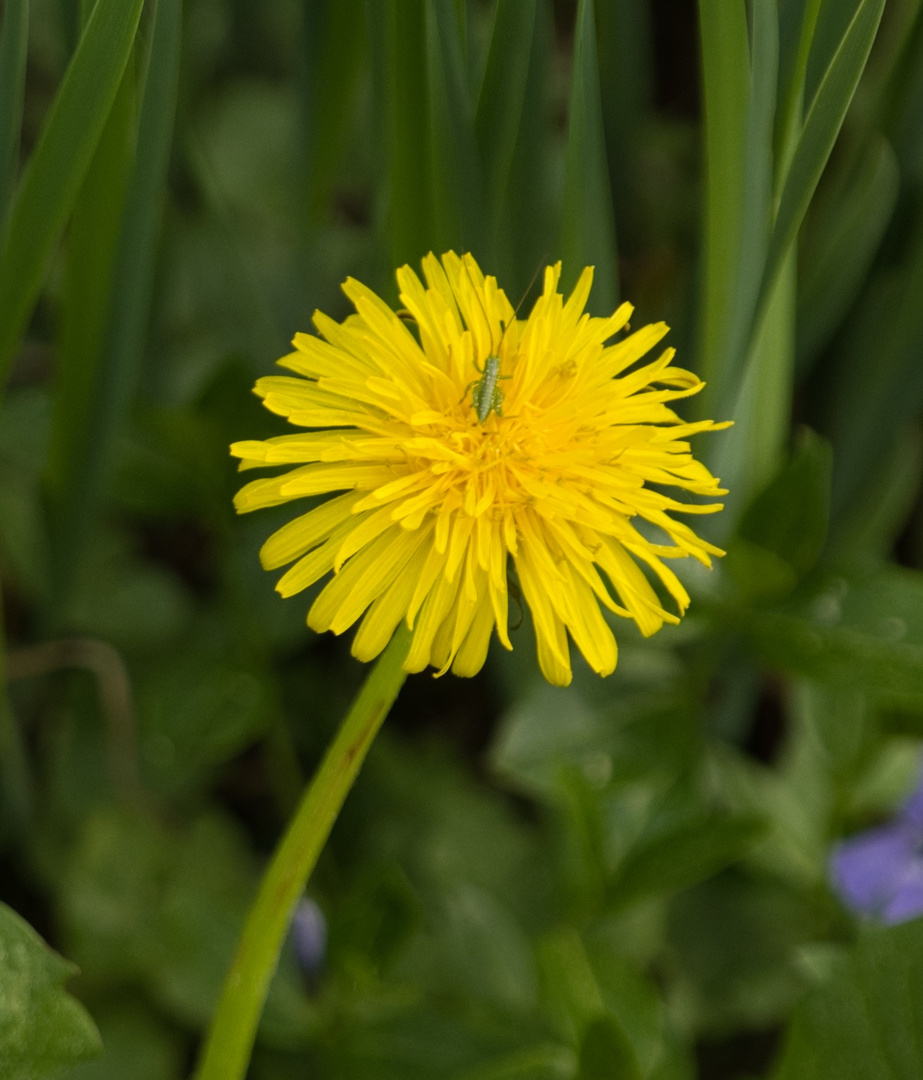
(460, 204)
(132, 278)
(588, 223)
(822, 125)
(877, 383)
(528, 221)
(845, 230)
(500, 102)
(336, 42)
(92, 239)
(792, 76)
(626, 77)
(726, 87)
(754, 449)
(740, 84)
(398, 38)
(831, 19)
(14, 40)
(56, 169)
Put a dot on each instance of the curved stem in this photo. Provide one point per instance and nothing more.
(230, 1041)
(15, 779)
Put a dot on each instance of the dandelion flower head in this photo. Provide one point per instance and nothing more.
(460, 446)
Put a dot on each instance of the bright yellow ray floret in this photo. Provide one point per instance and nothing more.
(430, 504)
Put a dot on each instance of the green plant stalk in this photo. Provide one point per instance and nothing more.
(755, 447)
(792, 111)
(15, 780)
(14, 45)
(230, 1040)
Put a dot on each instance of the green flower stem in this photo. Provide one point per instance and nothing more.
(230, 1041)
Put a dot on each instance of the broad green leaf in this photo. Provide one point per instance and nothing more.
(500, 102)
(863, 632)
(606, 1054)
(98, 415)
(198, 711)
(121, 598)
(822, 125)
(136, 1044)
(734, 939)
(872, 527)
(42, 1028)
(588, 224)
(631, 997)
(59, 162)
(163, 908)
(684, 857)
(868, 403)
(640, 737)
(863, 1020)
(14, 39)
(544, 1062)
(587, 986)
(461, 214)
(789, 518)
(484, 951)
(843, 238)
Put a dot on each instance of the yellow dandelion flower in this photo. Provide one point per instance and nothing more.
(461, 438)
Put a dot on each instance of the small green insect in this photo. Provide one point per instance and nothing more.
(487, 395)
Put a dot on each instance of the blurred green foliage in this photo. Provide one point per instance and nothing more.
(627, 879)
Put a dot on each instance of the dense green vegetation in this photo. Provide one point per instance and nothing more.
(629, 878)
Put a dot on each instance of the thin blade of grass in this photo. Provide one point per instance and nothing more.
(878, 381)
(847, 228)
(500, 102)
(588, 222)
(726, 85)
(739, 201)
(754, 449)
(831, 22)
(821, 127)
(56, 169)
(14, 40)
(457, 181)
(132, 282)
(398, 38)
(528, 220)
(336, 42)
(624, 41)
(92, 240)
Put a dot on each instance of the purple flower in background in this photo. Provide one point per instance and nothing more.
(309, 938)
(880, 872)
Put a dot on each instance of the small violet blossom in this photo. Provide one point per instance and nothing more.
(309, 938)
(880, 872)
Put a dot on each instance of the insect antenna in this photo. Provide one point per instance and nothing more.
(487, 395)
(522, 300)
